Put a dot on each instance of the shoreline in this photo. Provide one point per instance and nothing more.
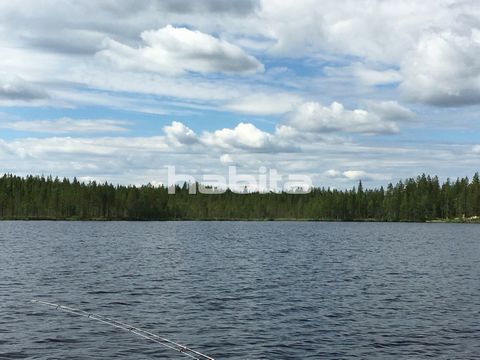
(433, 221)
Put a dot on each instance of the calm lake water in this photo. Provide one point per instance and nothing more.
(242, 290)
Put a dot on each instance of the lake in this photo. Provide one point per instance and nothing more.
(242, 290)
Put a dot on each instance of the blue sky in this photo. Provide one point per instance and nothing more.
(363, 90)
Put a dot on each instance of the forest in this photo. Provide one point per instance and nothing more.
(419, 199)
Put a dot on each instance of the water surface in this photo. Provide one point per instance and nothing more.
(242, 290)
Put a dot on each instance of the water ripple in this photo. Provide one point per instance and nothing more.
(242, 290)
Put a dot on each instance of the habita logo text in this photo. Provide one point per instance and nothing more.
(265, 180)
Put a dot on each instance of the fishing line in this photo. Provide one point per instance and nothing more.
(137, 331)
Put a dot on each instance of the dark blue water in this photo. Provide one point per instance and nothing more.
(242, 290)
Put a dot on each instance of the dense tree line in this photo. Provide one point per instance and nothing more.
(416, 199)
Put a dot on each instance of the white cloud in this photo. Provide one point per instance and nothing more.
(210, 90)
(226, 159)
(392, 35)
(390, 111)
(66, 125)
(362, 175)
(444, 69)
(172, 50)
(287, 132)
(356, 175)
(430, 47)
(371, 76)
(264, 103)
(179, 134)
(14, 87)
(378, 31)
(139, 160)
(244, 136)
(39, 147)
(332, 173)
(379, 119)
(237, 8)
(222, 94)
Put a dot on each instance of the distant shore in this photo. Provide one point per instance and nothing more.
(420, 199)
(473, 220)
(470, 220)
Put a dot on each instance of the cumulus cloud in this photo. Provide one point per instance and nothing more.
(356, 175)
(15, 88)
(380, 119)
(173, 50)
(444, 69)
(65, 125)
(431, 47)
(246, 137)
(179, 134)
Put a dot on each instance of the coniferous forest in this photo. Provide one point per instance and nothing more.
(416, 199)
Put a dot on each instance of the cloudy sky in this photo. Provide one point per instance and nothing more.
(341, 91)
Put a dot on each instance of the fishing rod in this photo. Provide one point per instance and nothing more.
(137, 331)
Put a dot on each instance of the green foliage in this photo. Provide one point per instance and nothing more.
(419, 199)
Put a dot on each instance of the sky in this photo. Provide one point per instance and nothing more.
(371, 90)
